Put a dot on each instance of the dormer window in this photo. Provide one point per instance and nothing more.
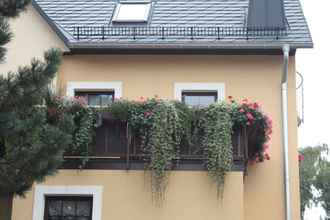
(132, 12)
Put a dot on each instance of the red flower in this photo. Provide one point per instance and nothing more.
(267, 157)
(301, 157)
(256, 105)
(230, 97)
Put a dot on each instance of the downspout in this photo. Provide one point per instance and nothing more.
(285, 129)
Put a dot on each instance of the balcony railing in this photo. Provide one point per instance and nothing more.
(115, 147)
(167, 32)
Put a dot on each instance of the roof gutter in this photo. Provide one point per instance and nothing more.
(186, 45)
(285, 130)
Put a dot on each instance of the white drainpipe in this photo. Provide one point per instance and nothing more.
(286, 50)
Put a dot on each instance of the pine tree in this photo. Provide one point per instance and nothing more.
(31, 147)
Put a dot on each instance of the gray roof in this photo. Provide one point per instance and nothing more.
(65, 15)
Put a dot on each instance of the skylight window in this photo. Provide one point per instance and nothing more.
(132, 12)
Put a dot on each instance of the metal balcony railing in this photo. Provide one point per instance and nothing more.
(114, 143)
(166, 32)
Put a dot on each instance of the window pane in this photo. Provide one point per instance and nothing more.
(191, 100)
(83, 208)
(82, 218)
(97, 98)
(132, 12)
(206, 100)
(54, 208)
(199, 99)
(69, 208)
(106, 99)
(94, 100)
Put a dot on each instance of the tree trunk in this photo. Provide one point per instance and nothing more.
(6, 204)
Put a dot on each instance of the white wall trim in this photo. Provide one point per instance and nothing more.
(41, 192)
(116, 86)
(180, 87)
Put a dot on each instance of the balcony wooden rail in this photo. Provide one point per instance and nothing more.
(116, 147)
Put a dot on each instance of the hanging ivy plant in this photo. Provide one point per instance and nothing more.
(216, 126)
(159, 127)
(166, 126)
(83, 123)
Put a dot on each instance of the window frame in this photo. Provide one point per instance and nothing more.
(94, 92)
(185, 93)
(42, 191)
(68, 198)
(115, 86)
(116, 13)
(180, 88)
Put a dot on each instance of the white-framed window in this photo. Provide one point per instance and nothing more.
(199, 94)
(68, 195)
(95, 93)
(135, 11)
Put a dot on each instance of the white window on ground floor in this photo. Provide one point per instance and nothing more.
(67, 202)
(199, 94)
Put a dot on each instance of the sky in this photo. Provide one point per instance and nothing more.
(314, 64)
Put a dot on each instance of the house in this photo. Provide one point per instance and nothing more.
(194, 51)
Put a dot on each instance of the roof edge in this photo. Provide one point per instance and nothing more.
(193, 45)
(51, 23)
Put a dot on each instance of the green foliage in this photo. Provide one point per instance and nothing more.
(31, 147)
(5, 36)
(11, 8)
(313, 176)
(27, 87)
(82, 126)
(163, 128)
(322, 184)
(120, 109)
(216, 127)
(158, 124)
(259, 127)
(8, 8)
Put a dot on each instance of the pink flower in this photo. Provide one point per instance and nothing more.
(242, 110)
(266, 147)
(249, 116)
(80, 100)
(301, 157)
(147, 114)
(245, 100)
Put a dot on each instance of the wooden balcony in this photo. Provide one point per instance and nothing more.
(115, 147)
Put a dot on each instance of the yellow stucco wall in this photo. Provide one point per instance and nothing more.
(32, 37)
(254, 77)
(126, 196)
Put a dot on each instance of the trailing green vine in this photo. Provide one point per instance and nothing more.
(161, 135)
(216, 127)
(82, 126)
(166, 127)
